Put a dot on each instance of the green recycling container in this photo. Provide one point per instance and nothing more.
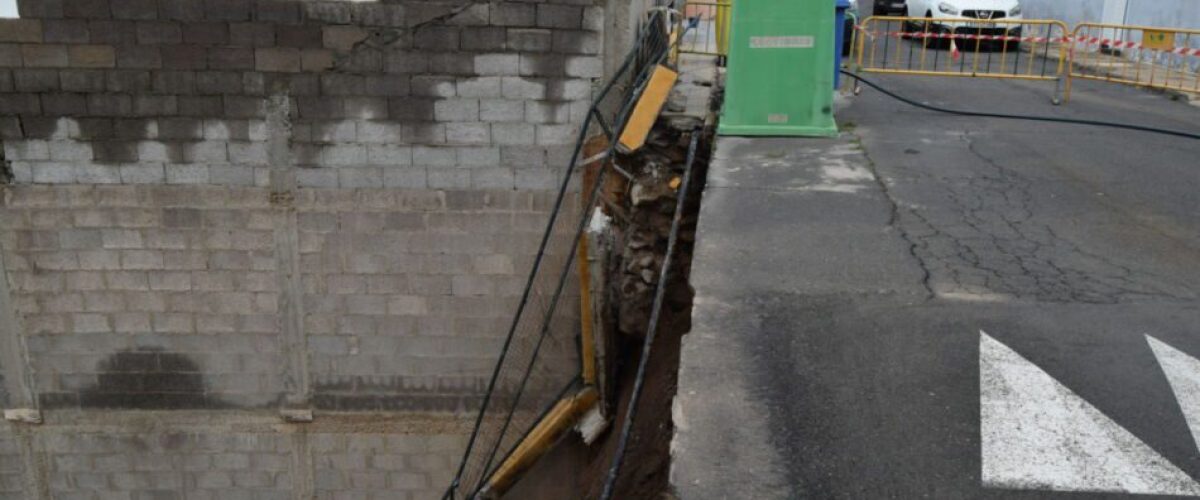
(778, 81)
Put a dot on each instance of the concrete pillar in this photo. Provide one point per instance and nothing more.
(18, 379)
(34, 471)
(1116, 11)
(297, 382)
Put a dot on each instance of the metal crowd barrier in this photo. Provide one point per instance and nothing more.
(965, 47)
(1142, 56)
(707, 23)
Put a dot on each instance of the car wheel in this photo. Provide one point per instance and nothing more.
(847, 38)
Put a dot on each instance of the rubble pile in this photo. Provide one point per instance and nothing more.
(644, 228)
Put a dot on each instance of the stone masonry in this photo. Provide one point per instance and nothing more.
(235, 207)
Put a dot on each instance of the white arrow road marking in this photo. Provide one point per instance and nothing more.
(1038, 435)
(1183, 372)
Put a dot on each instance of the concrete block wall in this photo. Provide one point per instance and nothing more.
(145, 296)
(383, 466)
(11, 467)
(236, 206)
(408, 295)
(208, 466)
(173, 297)
(231, 204)
(193, 456)
(443, 95)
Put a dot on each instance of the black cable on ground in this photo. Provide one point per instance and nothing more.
(1051, 119)
(652, 329)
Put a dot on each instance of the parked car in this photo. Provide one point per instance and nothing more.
(987, 10)
(890, 8)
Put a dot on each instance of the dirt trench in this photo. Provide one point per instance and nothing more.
(641, 216)
(641, 208)
(639, 196)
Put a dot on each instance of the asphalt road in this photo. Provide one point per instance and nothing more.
(934, 306)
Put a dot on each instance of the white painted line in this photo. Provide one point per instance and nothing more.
(1037, 434)
(1183, 372)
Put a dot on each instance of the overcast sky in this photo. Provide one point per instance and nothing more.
(8, 8)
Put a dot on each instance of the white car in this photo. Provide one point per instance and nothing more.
(987, 10)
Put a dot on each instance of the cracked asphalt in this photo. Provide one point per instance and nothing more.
(994, 222)
(841, 286)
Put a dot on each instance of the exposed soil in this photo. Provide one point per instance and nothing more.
(640, 197)
(642, 234)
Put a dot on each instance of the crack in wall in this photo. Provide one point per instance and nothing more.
(377, 40)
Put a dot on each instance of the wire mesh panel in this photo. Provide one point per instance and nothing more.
(541, 360)
(539, 363)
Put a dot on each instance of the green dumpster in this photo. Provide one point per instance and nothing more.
(778, 80)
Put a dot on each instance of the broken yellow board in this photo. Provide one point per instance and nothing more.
(645, 113)
(587, 339)
(534, 445)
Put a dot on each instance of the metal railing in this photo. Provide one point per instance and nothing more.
(539, 364)
(964, 47)
(1142, 56)
(706, 27)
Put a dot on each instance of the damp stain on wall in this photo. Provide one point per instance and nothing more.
(150, 379)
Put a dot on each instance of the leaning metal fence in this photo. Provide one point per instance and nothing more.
(707, 23)
(540, 362)
(1142, 56)
(964, 47)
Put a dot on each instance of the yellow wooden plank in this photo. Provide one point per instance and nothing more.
(539, 440)
(587, 339)
(674, 46)
(645, 113)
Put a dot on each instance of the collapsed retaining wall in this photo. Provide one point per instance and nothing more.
(222, 207)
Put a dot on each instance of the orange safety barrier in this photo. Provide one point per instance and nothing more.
(964, 47)
(1142, 56)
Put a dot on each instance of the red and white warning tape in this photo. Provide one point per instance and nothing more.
(961, 36)
(1122, 44)
(989, 38)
